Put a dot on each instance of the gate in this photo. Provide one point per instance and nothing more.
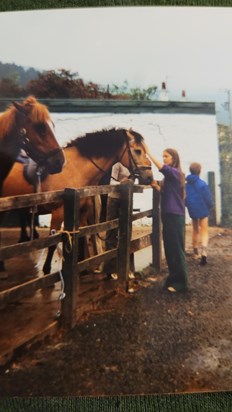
(72, 306)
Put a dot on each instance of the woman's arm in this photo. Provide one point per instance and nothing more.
(156, 162)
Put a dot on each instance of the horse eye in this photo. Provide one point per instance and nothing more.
(40, 128)
(138, 151)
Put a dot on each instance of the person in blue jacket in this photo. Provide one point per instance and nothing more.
(199, 203)
(172, 190)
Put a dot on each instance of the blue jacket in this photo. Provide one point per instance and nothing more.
(198, 197)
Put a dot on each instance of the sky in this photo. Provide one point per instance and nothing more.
(188, 47)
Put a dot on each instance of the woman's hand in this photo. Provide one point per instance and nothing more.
(155, 185)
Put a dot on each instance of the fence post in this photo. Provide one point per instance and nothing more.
(70, 253)
(125, 229)
(211, 183)
(156, 231)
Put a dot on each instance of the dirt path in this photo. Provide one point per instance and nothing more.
(142, 343)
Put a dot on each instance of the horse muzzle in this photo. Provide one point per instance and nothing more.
(144, 175)
(52, 162)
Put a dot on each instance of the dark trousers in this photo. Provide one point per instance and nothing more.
(173, 238)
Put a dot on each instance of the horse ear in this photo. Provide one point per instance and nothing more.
(129, 134)
(20, 107)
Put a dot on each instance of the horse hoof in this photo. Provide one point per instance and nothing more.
(23, 239)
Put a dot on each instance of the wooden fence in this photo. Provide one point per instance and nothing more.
(70, 235)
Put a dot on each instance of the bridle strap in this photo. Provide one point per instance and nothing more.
(105, 172)
(135, 168)
(31, 152)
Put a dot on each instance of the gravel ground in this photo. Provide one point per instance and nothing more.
(146, 342)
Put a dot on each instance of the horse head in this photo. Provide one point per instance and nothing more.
(36, 135)
(135, 159)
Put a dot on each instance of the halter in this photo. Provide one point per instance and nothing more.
(30, 150)
(135, 168)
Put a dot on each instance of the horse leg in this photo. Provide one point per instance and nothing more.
(56, 221)
(23, 221)
(48, 262)
(36, 223)
(32, 225)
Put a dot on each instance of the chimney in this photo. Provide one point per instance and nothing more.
(163, 94)
(183, 95)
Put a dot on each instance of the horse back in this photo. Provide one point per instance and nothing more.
(15, 183)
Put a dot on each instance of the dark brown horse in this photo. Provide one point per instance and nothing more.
(88, 159)
(28, 125)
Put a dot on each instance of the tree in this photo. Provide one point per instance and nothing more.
(9, 88)
(63, 84)
(125, 92)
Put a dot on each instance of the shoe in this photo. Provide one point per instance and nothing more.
(131, 275)
(171, 289)
(113, 276)
(203, 261)
(195, 254)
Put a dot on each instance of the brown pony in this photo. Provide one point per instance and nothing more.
(88, 159)
(27, 125)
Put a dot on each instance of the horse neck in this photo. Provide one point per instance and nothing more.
(9, 137)
(92, 169)
(9, 150)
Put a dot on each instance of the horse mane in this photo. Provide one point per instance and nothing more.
(37, 112)
(105, 142)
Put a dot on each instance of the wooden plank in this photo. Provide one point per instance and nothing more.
(88, 191)
(95, 260)
(212, 186)
(23, 290)
(140, 243)
(8, 252)
(98, 227)
(70, 268)
(26, 339)
(26, 201)
(93, 302)
(140, 215)
(125, 230)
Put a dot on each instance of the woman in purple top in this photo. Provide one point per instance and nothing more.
(172, 190)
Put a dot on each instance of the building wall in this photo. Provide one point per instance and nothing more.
(193, 135)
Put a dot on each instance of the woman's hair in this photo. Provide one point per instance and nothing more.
(195, 168)
(176, 164)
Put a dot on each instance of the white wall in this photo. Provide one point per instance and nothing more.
(193, 135)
